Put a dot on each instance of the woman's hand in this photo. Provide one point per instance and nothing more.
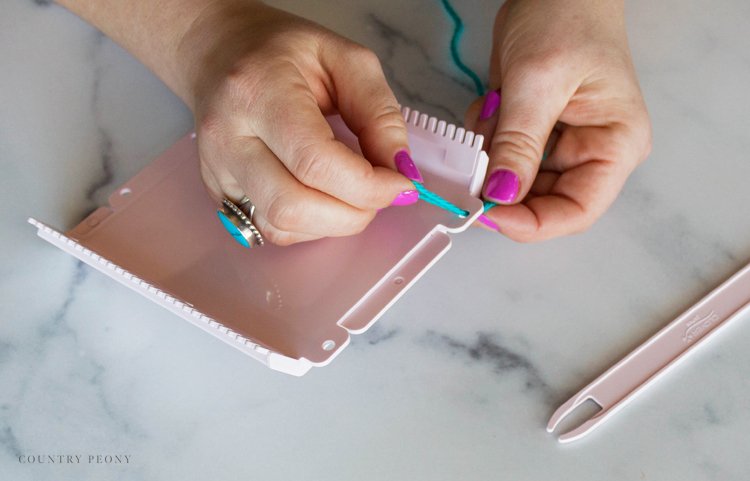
(260, 82)
(563, 79)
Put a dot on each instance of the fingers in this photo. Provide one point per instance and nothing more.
(561, 210)
(531, 105)
(589, 167)
(231, 189)
(280, 237)
(367, 104)
(302, 140)
(286, 210)
(571, 126)
(481, 116)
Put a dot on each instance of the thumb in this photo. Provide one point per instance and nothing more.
(528, 113)
(369, 108)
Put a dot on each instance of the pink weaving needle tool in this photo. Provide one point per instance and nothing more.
(617, 386)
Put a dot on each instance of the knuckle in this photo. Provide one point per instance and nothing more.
(284, 213)
(648, 140)
(525, 238)
(235, 79)
(518, 144)
(373, 192)
(544, 69)
(274, 236)
(388, 116)
(638, 139)
(537, 69)
(531, 236)
(311, 168)
(604, 55)
(277, 237)
(242, 86)
(585, 222)
(242, 78)
(211, 126)
(356, 224)
(365, 58)
(280, 238)
(362, 222)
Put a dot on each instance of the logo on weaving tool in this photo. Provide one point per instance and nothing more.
(699, 325)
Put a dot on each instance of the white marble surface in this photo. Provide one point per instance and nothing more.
(458, 379)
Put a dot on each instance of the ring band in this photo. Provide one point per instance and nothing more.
(246, 200)
(239, 222)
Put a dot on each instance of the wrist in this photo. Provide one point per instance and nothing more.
(202, 49)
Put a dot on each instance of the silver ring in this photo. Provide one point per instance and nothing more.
(246, 200)
(240, 221)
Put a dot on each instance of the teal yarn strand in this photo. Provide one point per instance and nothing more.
(434, 199)
(458, 30)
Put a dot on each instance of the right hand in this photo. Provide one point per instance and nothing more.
(260, 83)
(569, 89)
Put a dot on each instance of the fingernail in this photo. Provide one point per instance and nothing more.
(502, 186)
(406, 166)
(407, 197)
(491, 103)
(488, 222)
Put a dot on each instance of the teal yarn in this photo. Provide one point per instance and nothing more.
(434, 199)
(458, 30)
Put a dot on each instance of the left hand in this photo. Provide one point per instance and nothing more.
(569, 89)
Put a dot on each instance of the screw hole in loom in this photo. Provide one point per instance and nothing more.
(329, 345)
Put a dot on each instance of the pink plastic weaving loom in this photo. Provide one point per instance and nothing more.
(289, 307)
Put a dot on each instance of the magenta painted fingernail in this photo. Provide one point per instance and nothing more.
(502, 186)
(406, 166)
(407, 197)
(488, 222)
(491, 103)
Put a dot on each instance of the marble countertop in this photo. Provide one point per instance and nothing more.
(451, 383)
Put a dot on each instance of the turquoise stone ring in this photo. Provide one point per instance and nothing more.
(239, 224)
